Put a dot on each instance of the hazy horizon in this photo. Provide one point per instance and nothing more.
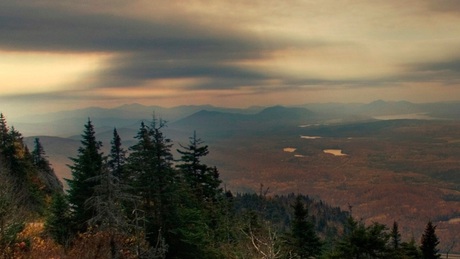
(27, 114)
(61, 55)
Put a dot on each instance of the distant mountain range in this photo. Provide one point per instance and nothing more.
(69, 123)
(60, 131)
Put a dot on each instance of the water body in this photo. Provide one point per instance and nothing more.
(310, 137)
(413, 116)
(289, 149)
(335, 152)
(309, 125)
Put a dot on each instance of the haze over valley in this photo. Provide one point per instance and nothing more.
(393, 169)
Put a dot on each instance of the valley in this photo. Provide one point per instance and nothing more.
(402, 170)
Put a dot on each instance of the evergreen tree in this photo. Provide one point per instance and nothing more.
(88, 164)
(360, 241)
(395, 242)
(110, 192)
(107, 202)
(203, 180)
(430, 242)
(24, 175)
(395, 236)
(45, 171)
(3, 132)
(302, 241)
(109, 214)
(150, 164)
(410, 250)
(117, 156)
(58, 220)
(15, 152)
(38, 155)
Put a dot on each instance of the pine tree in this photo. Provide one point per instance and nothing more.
(45, 171)
(3, 132)
(23, 174)
(110, 193)
(38, 155)
(58, 221)
(395, 236)
(109, 214)
(150, 165)
(203, 180)
(117, 156)
(395, 248)
(15, 152)
(360, 241)
(302, 240)
(411, 250)
(88, 164)
(430, 242)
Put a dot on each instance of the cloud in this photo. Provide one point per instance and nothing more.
(54, 29)
(179, 48)
(445, 72)
(142, 49)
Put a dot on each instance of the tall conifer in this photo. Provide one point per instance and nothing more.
(117, 157)
(88, 164)
(3, 131)
(303, 240)
(430, 242)
(202, 179)
(150, 165)
(57, 223)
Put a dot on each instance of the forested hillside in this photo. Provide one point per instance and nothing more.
(141, 202)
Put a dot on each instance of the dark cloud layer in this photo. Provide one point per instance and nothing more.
(147, 49)
(143, 49)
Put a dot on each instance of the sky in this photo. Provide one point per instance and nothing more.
(66, 54)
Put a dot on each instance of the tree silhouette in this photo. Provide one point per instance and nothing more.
(202, 179)
(88, 164)
(303, 240)
(430, 242)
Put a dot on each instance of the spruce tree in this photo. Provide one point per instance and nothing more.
(38, 155)
(88, 164)
(3, 131)
(411, 250)
(203, 180)
(45, 171)
(395, 247)
(395, 237)
(117, 156)
(430, 242)
(110, 192)
(360, 241)
(15, 152)
(302, 240)
(150, 165)
(58, 221)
